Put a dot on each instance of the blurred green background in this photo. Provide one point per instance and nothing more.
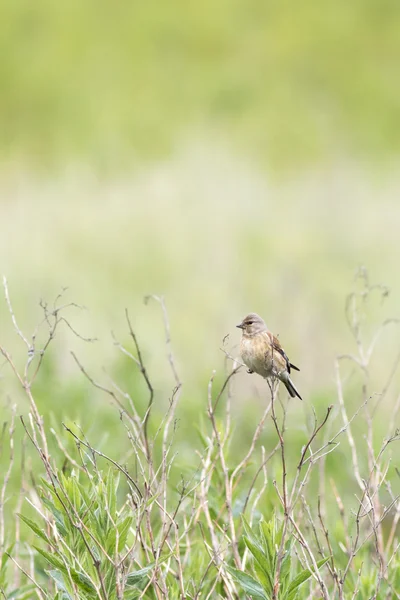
(231, 156)
(101, 82)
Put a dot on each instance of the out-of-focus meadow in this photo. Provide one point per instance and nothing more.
(232, 157)
(229, 156)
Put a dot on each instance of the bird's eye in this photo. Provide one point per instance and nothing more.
(250, 322)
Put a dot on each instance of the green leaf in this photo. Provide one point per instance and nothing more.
(39, 532)
(112, 485)
(61, 586)
(84, 583)
(132, 594)
(100, 524)
(52, 559)
(285, 570)
(137, 576)
(262, 577)
(3, 566)
(22, 593)
(302, 577)
(84, 494)
(74, 493)
(54, 493)
(47, 485)
(248, 530)
(81, 580)
(6, 555)
(262, 560)
(123, 531)
(249, 585)
(286, 563)
(279, 533)
(57, 514)
(109, 581)
(268, 535)
(151, 500)
(255, 540)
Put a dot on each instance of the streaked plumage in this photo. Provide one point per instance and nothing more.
(263, 354)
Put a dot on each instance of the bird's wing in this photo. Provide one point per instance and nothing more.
(276, 347)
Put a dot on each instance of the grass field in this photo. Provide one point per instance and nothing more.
(291, 86)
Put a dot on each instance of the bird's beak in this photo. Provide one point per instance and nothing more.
(241, 326)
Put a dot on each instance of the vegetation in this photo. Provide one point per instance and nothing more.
(105, 84)
(159, 514)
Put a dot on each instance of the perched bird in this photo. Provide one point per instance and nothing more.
(263, 354)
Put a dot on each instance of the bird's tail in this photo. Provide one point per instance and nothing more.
(290, 387)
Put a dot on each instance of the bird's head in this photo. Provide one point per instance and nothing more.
(252, 324)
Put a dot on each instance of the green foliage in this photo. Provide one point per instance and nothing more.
(111, 525)
(89, 534)
(268, 552)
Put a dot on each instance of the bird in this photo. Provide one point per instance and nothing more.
(262, 353)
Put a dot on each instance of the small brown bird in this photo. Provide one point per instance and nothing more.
(263, 354)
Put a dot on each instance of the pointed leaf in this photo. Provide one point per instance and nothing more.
(303, 576)
(52, 559)
(25, 592)
(248, 531)
(137, 576)
(81, 580)
(57, 514)
(74, 493)
(35, 528)
(123, 531)
(267, 534)
(84, 494)
(6, 555)
(286, 563)
(262, 577)
(262, 561)
(279, 533)
(249, 585)
(4, 575)
(84, 583)
(285, 571)
(255, 540)
(61, 586)
(112, 485)
(110, 581)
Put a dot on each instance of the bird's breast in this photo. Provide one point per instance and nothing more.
(254, 353)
